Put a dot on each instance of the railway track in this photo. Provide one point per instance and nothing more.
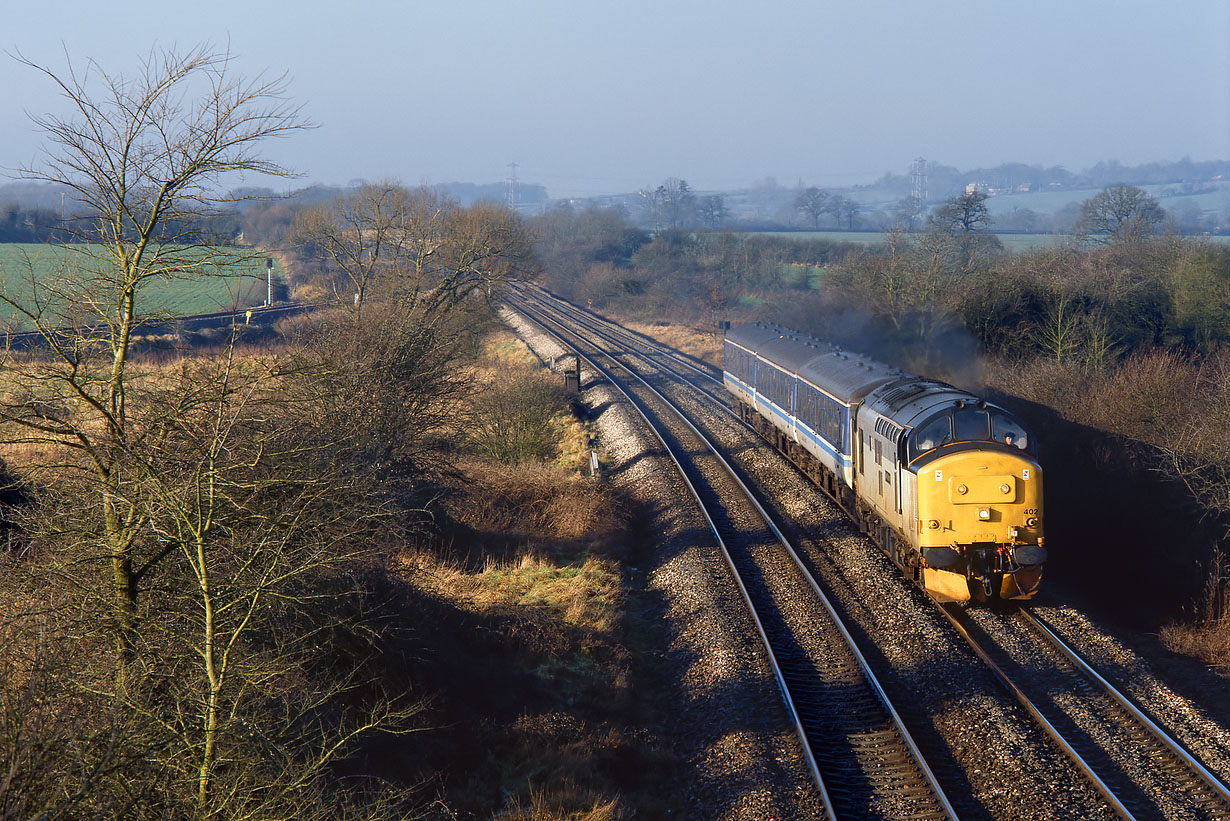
(860, 755)
(701, 375)
(1141, 770)
(1131, 761)
(256, 315)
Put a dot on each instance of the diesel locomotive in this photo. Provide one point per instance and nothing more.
(947, 484)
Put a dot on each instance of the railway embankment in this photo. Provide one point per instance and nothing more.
(714, 704)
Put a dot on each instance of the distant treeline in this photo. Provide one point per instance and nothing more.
(947, 180)
(36, 213)
(257, 216)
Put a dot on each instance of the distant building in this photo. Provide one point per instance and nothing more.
(976, 187)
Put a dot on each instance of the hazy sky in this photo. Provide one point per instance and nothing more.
(590, 97)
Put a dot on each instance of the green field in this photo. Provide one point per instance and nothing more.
(242, 284)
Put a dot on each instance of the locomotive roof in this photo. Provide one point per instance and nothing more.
(910, 400)
(847, 376)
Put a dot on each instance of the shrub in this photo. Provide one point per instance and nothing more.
(512, 421)
(1208, 636)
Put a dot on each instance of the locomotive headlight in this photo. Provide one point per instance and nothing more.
(933, 524)
(984, 514)
(1031, 522)
(1005, 489)
(962, 489)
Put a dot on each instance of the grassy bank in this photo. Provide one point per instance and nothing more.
(530, 665)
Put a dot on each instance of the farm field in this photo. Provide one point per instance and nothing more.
(217, 290)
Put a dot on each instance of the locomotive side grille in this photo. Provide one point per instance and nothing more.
(898, 397)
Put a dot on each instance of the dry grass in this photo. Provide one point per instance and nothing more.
(550, 805)
(585, 593)
(506, 348)
(311, 293)
(1209, 642)
(539, 537)
(1208, 636)
(530, 566)
(703, 345)
(150, 372)
(576, 440)
(535, 503)
(518, 401)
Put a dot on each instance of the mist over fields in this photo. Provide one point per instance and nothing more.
(1021, 199)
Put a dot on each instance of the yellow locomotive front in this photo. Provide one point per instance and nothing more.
(980, 523)
(974, 488)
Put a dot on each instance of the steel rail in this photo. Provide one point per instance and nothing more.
(1209, 779)
(1203, 773)
(783, 688)
(1046, 725)
(561, 307)
(877, 688)
(592, 320)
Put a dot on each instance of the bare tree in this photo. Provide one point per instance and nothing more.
(844, 208)
(418, 248)
(255, 512)
(965, 213)
(678, 202)
(146, 157)
(908, 211)
(260, 523)
(1119, 214)
(812, 203)
(1059, 334)
(361, 234)
(671, 205)
(652, 202)
(481, 247)
(198, 534)
(712, 209)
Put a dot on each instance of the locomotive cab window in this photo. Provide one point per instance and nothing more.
(931, 435)
(1011, 432)
(971, 425)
